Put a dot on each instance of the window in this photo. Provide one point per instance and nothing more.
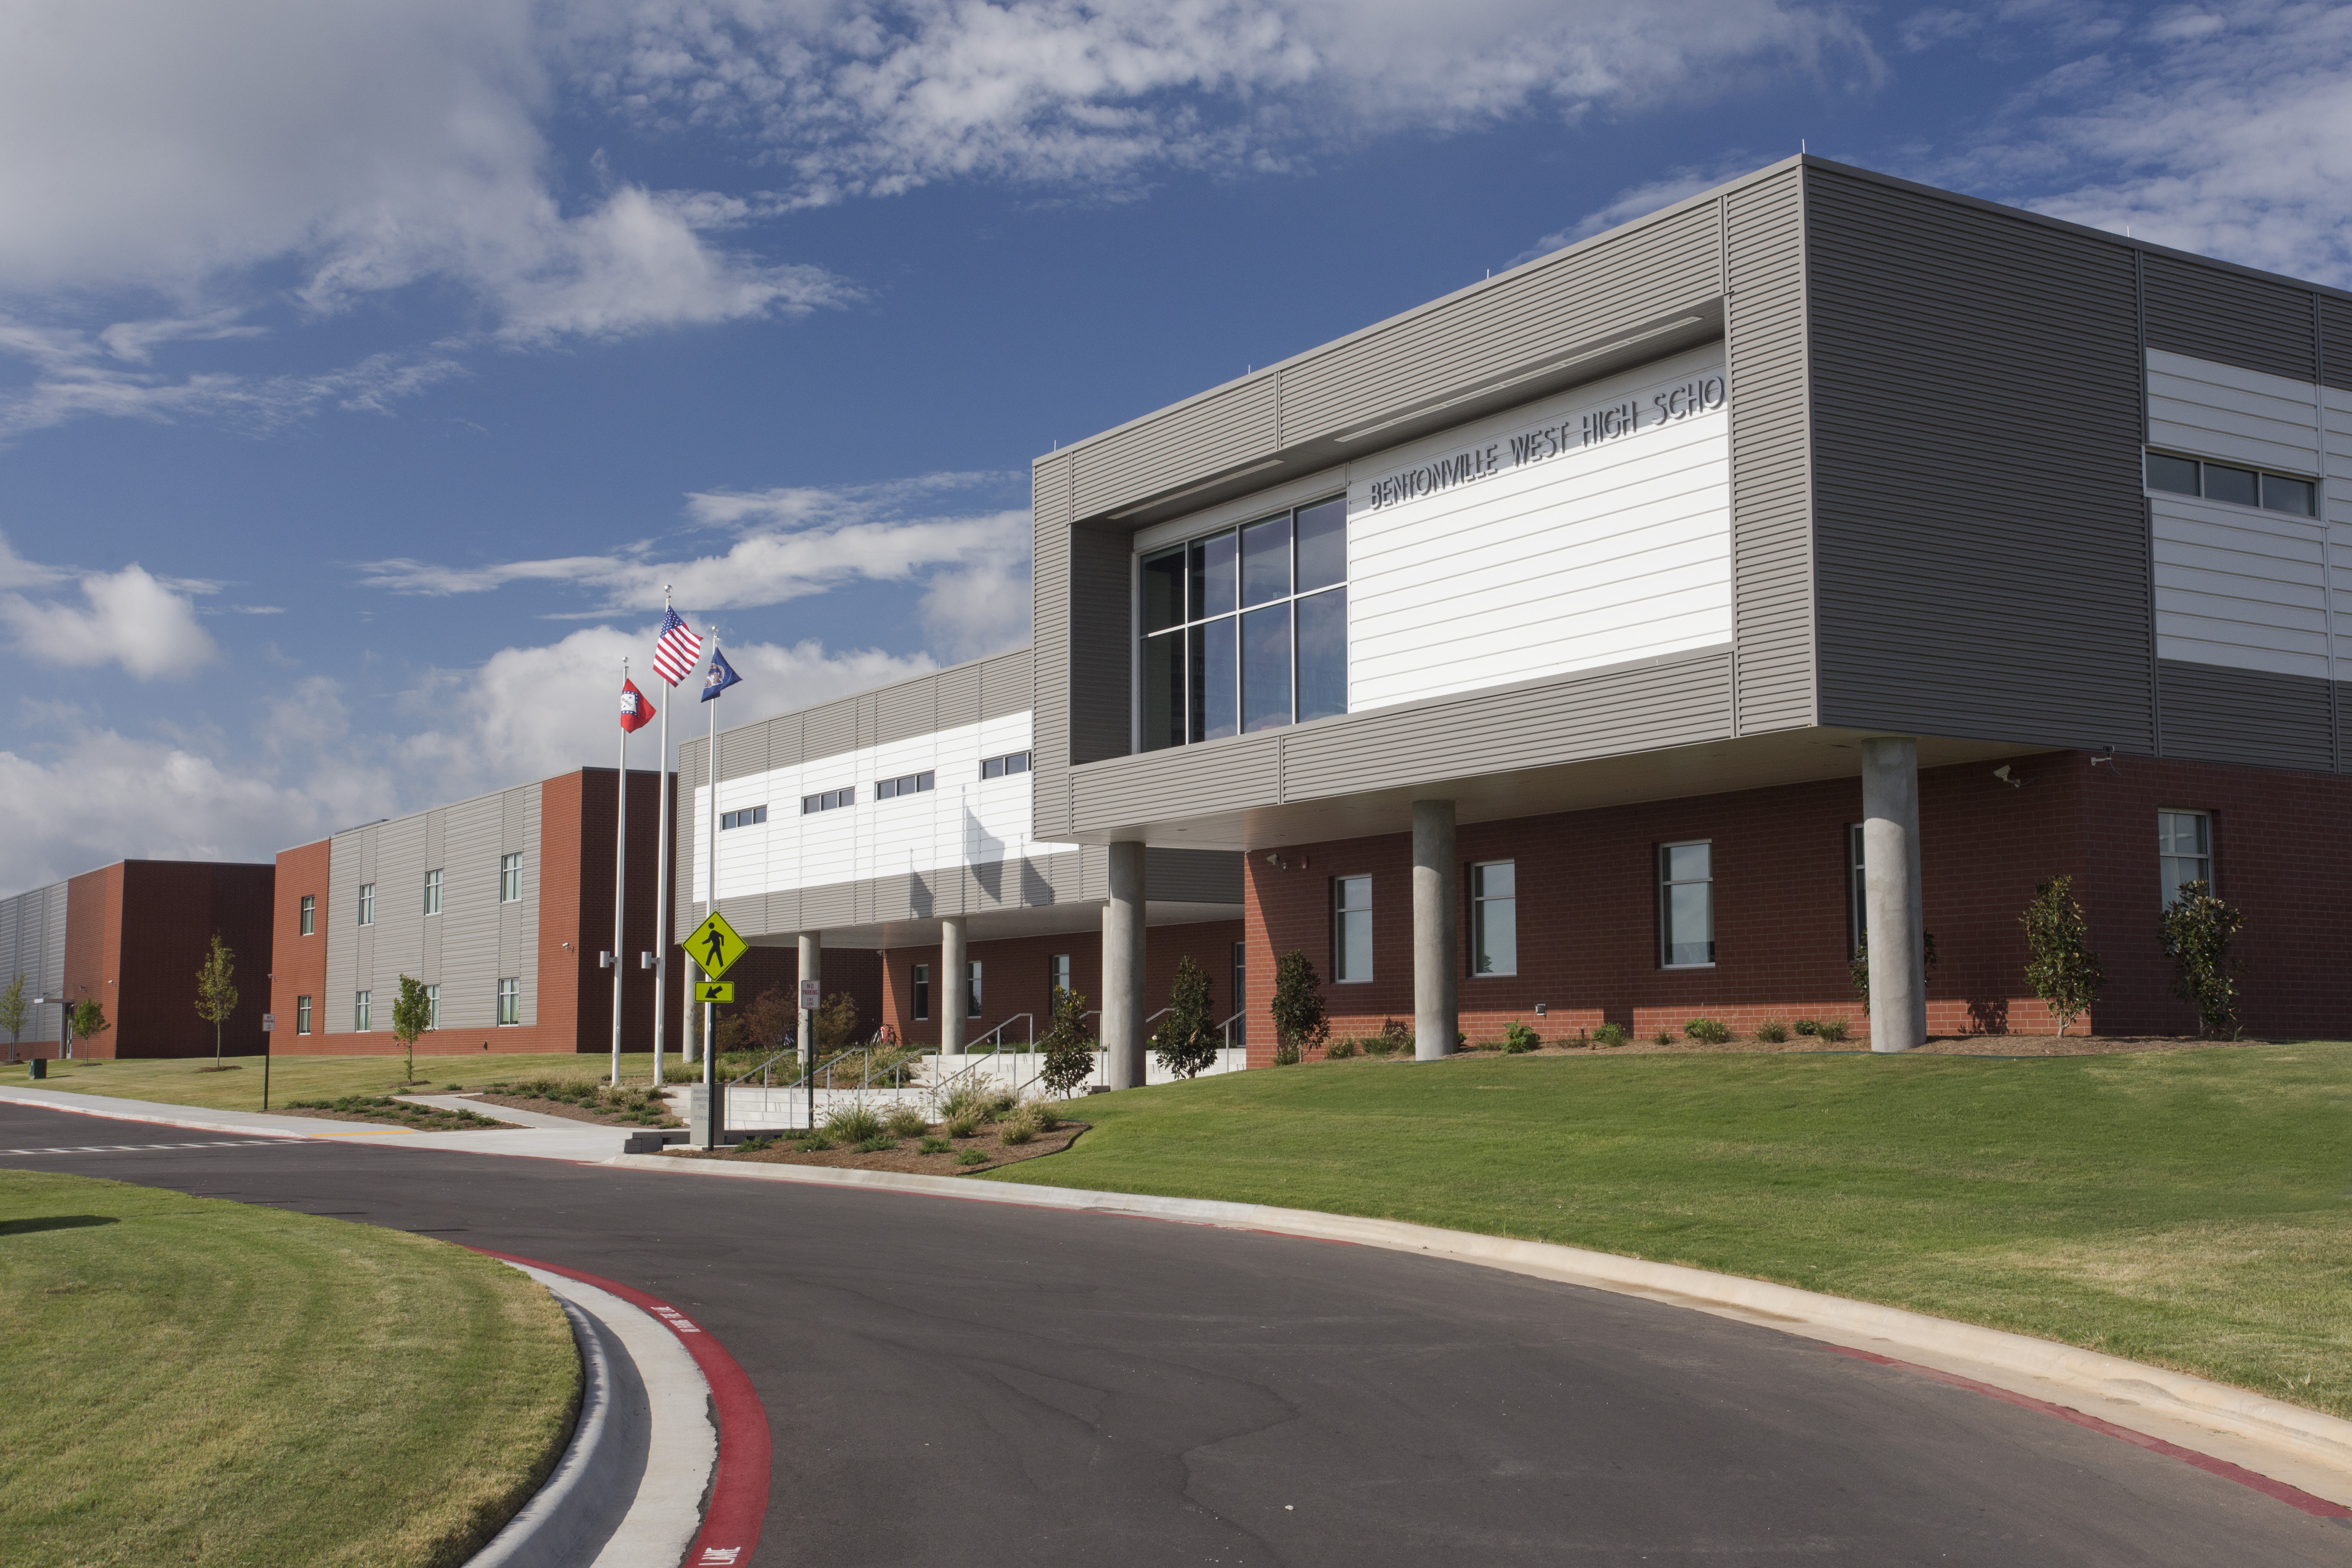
(922, 991)
(301, 1014)
(432, 892)
(1240, 993)
(999, 767)
(2184, 848)
(509, 878)
(971, 989)
(433, 1006)
(510, 1000)
(830, 800)
(310, 913)
(2227, 482)
(905, 783)
(367, 903)
(1351, 929)
(1058, 973)
(1686, 904)
(359, 1011)
(1246, 629)
(1493, 918)
(1857, 915)
(750, 816)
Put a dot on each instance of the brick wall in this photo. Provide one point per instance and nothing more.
(298, 963)
(1587, 910)
(1016, 977)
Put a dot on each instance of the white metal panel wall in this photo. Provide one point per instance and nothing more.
(2238, 585)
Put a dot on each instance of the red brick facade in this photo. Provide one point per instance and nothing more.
(1588, 904)
(136, 933)
(1016, 977)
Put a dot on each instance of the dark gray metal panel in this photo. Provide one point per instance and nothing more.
(1101, 631)
(1980, 542)
(1771, 455)
(1049, 650)
(829, 730)
(1005, 685)
(1204, 435)
(1194, 876)
(2335, 341)
(2219, 313)
(742, 751)
(907, 709)
(2213, 714)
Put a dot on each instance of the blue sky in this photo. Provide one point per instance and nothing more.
(366, 369)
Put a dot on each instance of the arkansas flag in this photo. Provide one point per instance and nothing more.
(636, 712)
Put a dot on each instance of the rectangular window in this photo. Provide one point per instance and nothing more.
(1241, 992)
(2281, 493)
(2227, 482)
(1857, 914)
(367, 903)
(905, 783)
(359, 1009)
(1686, 904)
(1351, 929)
(509, 878)
(1246, 629)
(922, 988)
(432, 892)
(971, 989)
(1493, 918)
(830, 800)
(750, 816)
(2177, 475)
(2240, 487)
(301, 1014)
(1002, 767)
(1058, 973)
(2184, 848)
(310, 913)
(510, 1000)
(433, 1006)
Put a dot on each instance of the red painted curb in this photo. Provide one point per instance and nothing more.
(2294, 1496)
(739, 1484)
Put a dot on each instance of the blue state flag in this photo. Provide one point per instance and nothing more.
(720, 677)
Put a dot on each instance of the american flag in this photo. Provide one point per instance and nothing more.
(677, 650)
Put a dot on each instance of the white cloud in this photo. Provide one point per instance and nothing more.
(128, 618)
(979, 609)
(1641, 200)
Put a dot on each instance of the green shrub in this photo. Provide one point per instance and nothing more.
(2196, 932)
(971, 1157)
(1299, 1022)
(1663, 1037)
(681, 1072)
(1340, 1049)
(1044, 1115)
(1610, 1035)
(1187, 1039)
(855, 1123)
(1829, 1029)
(905, 1122)
(1019, 1129)
(2059, 963)
(880, 1143)
(816, 1142)
(1706, 1031)
(1518, 1039)
(963, 1125)
(1772, 1032)
(934, 1146)
(1807, 1026)
(755, 1145)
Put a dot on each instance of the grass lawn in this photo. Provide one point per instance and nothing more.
(194, 1381)
(314, 1077)
(2188, 1210)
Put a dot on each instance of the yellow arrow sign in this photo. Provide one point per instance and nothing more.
(714, 991)
(715, 946)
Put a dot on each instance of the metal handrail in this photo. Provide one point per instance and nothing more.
(972, 1050)
(1228, 1028)
(787, 1052)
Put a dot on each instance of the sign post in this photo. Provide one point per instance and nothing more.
(715, 945)
(811, 998)
(268, 1027)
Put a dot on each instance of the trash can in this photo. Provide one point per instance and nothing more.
(40, 1066)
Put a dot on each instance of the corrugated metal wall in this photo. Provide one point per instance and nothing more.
(33, 948)
(2249, 716)
(2219, 313)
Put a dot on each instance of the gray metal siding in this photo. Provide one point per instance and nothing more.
(1200, 436)
(956, 694)
(2216, 313)
(2245, 716)
(1006, 686)
(472, 833)
(1049, 651)
(2335, 341)
(1771, 455)
(33, 949)
(1192, 875)
(744, 752)
(1674, 702)
(1101, 632)
(825, 731)
(1959, 596)
(400, 903)
(906, 710)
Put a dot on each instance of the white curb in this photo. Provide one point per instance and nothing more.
(2285, 1442)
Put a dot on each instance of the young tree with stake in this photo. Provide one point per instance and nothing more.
(14, 1008)
(1069, 1050)
(1298, 1018)
(1186, 1041)
(216, 991)
(410, 1015)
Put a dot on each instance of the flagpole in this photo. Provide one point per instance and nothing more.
(661, 876)
(708, 822)
(620, 878)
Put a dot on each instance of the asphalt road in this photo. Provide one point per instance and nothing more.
(976, 1383)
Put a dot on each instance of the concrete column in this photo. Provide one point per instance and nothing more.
(812, 968)
(1890, 870)
(1436, 895)
(1122, 969)
(950, 994)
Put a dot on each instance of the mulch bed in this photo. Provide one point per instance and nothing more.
(413, 1118)
(906, 1157)
(572, 1113)
(1936, 1046)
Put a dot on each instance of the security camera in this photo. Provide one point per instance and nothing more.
(2002, 772)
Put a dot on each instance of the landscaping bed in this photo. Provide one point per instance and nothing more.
(385, 1110)
(1939, 1045)
(630, 1105)
(198, 1381)
(977, 1131)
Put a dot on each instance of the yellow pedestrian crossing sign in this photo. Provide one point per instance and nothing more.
(714, 945)
(714, 991)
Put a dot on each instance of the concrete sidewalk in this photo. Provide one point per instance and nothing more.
(535, 1137)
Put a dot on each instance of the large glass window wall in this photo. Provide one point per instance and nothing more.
(1246, 629)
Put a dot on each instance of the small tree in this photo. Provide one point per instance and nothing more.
(771, 1019)
(2059, 963)
(216, 990)
(835, 1024)
(14, 1008)
(88, 1019)
(411, 1015)
(1298, 1018)
(1069, 1049)
(1186, 1040)
(2197, 932)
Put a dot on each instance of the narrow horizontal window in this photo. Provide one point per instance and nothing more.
(750, 816)
(830, 800)
(2238, 486)
(2241, 487)
(2166, 472)
(2281, 493)
(1001, 767)
(905, 783)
